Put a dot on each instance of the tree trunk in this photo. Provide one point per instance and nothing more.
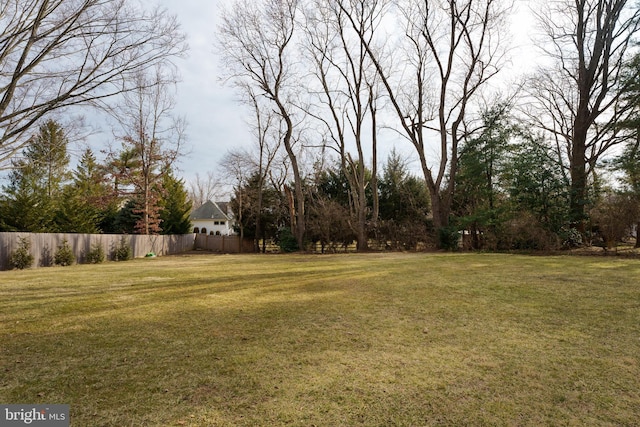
(374, 159)
(578, 195)
(145, 208)
(440, 216)
(240, 219)
(259, 215)
(363, 244)
(300, 225)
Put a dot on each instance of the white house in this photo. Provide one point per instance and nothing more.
(212, 218)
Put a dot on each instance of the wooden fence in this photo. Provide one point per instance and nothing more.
(45, 245)
(223, 244)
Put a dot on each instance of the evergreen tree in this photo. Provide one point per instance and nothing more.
(628, 162)
(333, 183)
(24, 205)
(404, 206)
(478, 202)
(126, 219)
(403, 197)
(36, 182)
(86, 201)
(117, 170)
(48, 153)
(74, 215)
(537, 185)
(175, 206)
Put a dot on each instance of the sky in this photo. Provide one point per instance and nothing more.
(215, 118)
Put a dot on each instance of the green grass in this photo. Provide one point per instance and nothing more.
(371, 340)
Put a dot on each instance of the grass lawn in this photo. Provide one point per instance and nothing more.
(332, 340)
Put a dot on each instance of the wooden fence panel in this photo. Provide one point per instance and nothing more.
(45, 245)
(223, 244)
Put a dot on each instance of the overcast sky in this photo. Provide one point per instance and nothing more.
(215, 122)
(214, 118)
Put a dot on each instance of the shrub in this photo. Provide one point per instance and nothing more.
(123, 251)
(449, 238)
(570, 237)
(21, 258)
(96, 254)
(525, 232)
(287, 241)
(614, 217)
(406, 234)
(64, 255)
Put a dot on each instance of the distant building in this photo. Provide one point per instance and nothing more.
(212, 218)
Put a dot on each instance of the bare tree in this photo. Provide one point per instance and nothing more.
(578, 96)
(256, 43)
(256, 202)
(203, 189)
(59, 53)
(451, 49)
(237, 171)
(346, 92)
(256, 165)
(155, 137)
(268, 133)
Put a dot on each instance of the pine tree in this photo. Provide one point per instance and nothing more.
(126, 219)
(48, 154)
(86, 199)
(24, 206)
(478, 201)
(175, 206)
(36, 182)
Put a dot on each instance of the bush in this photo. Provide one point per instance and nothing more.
(449, 238)
(524, 232)
(614, 217)
(287, 241)
(96, 254)
(403, 235)
(64, 255)
(21, 258)
(570, 238)
(123, 251)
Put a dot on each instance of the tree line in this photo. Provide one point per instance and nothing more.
(548, 161)
(524, 165)
(121, 195)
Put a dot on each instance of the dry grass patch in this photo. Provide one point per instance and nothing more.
(376, 339)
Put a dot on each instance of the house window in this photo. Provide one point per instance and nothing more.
(204, 230)
(196, 230)
(218, 233)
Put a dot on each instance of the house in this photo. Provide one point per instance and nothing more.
(212, 218)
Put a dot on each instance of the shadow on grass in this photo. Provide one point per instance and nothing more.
(329, 346)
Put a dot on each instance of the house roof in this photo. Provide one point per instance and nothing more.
(209, 210)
